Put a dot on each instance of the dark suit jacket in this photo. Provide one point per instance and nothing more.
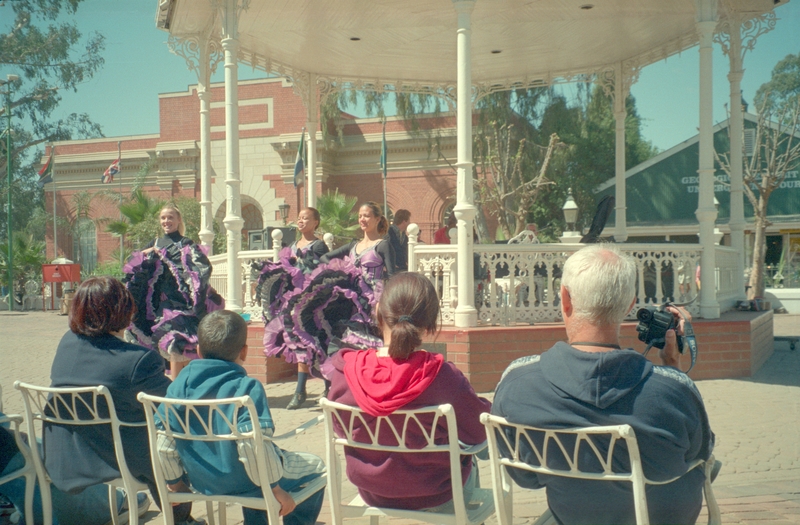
(77, 457)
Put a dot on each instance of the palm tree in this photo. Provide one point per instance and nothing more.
(140, 219)
(337, 216)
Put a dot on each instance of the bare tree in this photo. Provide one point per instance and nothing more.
(504, 187)
(776, 151)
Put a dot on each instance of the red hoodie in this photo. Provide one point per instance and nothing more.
(381, 385)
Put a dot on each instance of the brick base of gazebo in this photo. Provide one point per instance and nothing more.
(736, 345)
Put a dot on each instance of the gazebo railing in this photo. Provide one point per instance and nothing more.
(520, 283)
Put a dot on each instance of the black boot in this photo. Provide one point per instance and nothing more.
(297, 400)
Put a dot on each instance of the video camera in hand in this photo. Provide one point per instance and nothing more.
(653, 325)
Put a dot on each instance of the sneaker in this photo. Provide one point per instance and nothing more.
(297, 400)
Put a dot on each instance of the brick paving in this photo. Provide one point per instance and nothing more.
(756, 421)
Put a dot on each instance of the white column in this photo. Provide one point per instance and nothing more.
(312, 123)
(206, 232)
(706, 212)
(620, 112)
(466, 314)
(233, 207)
(736, 220)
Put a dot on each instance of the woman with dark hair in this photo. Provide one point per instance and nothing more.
(277, 282)
(93, 353)
(169, 281)
(373, 253)
(401, 375)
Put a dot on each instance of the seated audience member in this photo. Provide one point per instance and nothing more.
(93, 353)
(590, 381)
(401, 375)
(89, 507)
(399, 240)
(218, 468)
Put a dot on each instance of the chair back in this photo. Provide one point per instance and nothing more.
(81, 406)
(603, 453)
(209, 420)
(347, 426)
(27, 470)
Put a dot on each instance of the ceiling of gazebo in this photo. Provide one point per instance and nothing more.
(415, 40)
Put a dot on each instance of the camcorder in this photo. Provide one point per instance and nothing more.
(654, 321)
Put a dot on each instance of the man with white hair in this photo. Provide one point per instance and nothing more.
(591, 381)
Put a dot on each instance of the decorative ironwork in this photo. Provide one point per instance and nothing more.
(749, 26)
(190, 48)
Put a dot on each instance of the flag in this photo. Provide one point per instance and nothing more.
(299, 162)
(108, 175)
(46, 173)
(383, 150)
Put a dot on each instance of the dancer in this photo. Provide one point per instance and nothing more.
(169, 281)
(402, 375)
(277, 281)
(373, 254)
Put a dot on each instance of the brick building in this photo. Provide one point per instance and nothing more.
(271, 116)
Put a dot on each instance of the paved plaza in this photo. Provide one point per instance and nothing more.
(756, 421)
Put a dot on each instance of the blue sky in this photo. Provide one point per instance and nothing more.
(123, 95)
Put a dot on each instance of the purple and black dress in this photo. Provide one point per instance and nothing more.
(172, 291)
(334, 303)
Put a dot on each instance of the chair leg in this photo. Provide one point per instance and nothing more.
(30, 485)
(133, 506)
(112, 504)
(714, 516)
(210, 512)
(223, 513)
(373, 520)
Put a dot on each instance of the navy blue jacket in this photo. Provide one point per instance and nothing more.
(567, 388)
(77, 457)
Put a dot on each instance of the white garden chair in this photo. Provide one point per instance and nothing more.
(81, 406)
(396, 426)
(180, 420)
(27, 471)
(520, 440)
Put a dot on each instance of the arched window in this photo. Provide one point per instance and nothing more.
(84, 244)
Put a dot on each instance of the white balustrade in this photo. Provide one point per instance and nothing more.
(521, 283)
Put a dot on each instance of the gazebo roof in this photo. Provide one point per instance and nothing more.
(514, 42)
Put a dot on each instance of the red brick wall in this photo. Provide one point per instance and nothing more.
(260, 367)
(737, 345)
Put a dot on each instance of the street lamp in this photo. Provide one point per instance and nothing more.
(284, 210)
(10, 78)
(570, 210)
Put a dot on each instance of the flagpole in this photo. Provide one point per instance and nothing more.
(121, 237)
(383, 165)
(55, 215)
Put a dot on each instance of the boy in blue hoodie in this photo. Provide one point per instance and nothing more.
(219, 468)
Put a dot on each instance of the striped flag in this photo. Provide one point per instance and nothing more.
(46, 173)
(108, 175)
(299, 161)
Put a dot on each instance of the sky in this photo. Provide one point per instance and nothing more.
(123, 96)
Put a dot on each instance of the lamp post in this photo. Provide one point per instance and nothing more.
(284, 210)
(10, 78)
(570, 210)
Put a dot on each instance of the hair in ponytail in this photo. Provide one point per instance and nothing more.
(409, 307)
(383, 222)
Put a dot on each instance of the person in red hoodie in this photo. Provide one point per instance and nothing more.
(401, 375)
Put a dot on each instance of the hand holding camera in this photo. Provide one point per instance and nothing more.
(664, 327)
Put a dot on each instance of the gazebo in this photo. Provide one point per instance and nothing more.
(462, 50)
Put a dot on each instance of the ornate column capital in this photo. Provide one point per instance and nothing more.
(200, 51)
(626, 71)
(738, 31)
(229, 12)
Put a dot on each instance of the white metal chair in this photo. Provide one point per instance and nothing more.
(27, 471)
(394, 428)
(181, 420)
(573, 446)
(81, 406)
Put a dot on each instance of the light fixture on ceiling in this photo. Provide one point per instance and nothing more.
(496, 51)
(586, 7)
(354, 39)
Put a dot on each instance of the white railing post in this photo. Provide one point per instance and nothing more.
(277, 242)
(328, 240)
(413, 238)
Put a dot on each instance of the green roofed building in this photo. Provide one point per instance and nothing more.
(662, 194)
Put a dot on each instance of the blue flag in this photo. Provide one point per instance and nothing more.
(299, 162)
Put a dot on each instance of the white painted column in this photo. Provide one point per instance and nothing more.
(312, 123)
(465, 314)
(736, 220)
(620, 112)
(706, 212)
(233, 207)
(206, 232)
